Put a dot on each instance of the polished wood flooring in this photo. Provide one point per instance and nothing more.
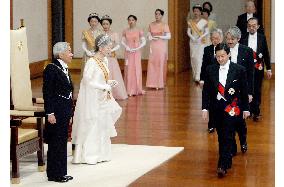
(172, 117)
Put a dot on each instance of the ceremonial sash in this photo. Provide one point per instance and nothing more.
(90, 39)
(198, 31)
(258, 62)
(221, 89)
(232, 109)
(106, 74)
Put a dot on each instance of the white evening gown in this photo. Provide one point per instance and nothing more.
(94, 117)
(196, 51)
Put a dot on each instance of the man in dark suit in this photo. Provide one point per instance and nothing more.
(242, 19)
(216, 37)
(57, 93)
(257, 42)
(225, 88)
(243, 56)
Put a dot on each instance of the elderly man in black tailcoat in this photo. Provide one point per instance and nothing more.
(57, 93)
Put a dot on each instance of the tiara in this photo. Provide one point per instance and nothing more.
(103, 39)
(197, 5)
(106, 17)
(93, 15)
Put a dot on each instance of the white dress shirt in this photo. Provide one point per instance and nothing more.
(234, 53)
(249, 16)
(252, 41)
(223, 71)
(65, 68)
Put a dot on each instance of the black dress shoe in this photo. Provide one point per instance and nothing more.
(221, 172)
(68, 177)
(255, 118)
(210, 130)
(234, 154)
(58, 179)
(244, 148)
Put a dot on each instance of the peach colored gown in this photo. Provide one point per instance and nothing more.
(133, 68)
(156, 72)
(118, 92)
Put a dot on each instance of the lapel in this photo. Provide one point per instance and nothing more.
(62, 74)
(245, 41)
(212, 52)
(240, 52)
(215, 75)
(230, 75)
(258, 45)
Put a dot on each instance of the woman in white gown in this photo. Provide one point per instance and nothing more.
(96, 110)
(119, 92)
(88, 39)
(197, 32)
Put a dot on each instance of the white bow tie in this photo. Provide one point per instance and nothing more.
(223, 68)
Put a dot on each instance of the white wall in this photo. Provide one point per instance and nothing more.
(119, 10)
(34, 13)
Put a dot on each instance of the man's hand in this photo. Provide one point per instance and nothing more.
(250, 98)
(246, 114)
(268, 74)
(204, 115)
(51, 119)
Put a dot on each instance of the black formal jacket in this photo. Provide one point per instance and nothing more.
(236, 79)
(56, 85)
(208, 59)
(245, 58)
(262, 49)
(242, 23)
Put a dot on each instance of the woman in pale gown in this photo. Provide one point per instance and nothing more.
(158, 35)
(133, 40)
(96, 110)
(88, 39)
(211, 24)
(197, 32)
(119, 92)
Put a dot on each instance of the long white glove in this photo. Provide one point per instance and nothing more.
(143, 43)
(112, 83)
(115, 48)
(150, 37)
(84, 47)
(165, 37)
(190, 35)
(127, 48)
(205, 33)
(104, 87)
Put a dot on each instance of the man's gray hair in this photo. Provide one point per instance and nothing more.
(249, 2)
(60, 47)
(235, 32)
(218, 31)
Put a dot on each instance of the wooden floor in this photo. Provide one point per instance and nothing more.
(172, 117)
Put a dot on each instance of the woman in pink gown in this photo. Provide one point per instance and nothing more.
(133, 40)
(158, 34)
(119, 92)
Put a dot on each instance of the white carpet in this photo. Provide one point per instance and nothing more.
(129, 162)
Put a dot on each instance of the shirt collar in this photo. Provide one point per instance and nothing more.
(63, 64)
(236, 47)
(226, 66)
(253, 35)
(250, 15)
